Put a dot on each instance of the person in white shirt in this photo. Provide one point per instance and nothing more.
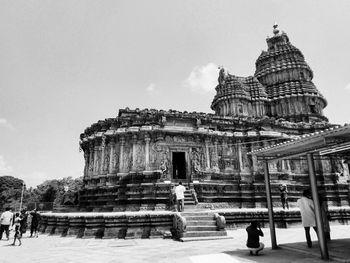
(307, 212)
(5, 222)
(180, 197)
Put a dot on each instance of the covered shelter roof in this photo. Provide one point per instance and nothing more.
(335, 140)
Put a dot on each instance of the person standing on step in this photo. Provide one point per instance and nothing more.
(180, 197)
(284, 195)
(254, 233)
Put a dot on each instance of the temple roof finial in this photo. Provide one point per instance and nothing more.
(275, 29)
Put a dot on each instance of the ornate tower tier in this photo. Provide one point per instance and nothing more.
(288, 81)
(239, 96)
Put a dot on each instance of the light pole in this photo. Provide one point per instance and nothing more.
(20, 204)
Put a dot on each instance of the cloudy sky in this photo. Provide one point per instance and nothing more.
(67, 64)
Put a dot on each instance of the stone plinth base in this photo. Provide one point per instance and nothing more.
(115, 232)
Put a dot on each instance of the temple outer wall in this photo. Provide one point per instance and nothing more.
(160, 224)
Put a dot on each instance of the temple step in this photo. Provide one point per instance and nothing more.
(201, 226)
(187, 239)
(201, 223)
(204, 233)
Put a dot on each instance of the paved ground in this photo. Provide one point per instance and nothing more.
(53, 249)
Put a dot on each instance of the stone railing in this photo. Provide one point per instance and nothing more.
(108, 225)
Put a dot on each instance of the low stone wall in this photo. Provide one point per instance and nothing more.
(238, 218)
(108, 225)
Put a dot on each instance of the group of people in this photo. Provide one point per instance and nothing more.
(308, 218)
(18, 222)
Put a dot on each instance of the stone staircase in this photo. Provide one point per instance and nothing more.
(189, 202)
(201, 226)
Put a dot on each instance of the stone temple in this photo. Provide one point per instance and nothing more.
(132, 161)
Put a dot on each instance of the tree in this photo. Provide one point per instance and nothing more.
(10, 191)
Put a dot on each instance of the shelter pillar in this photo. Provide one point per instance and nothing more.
(319, 221)
(269, 205)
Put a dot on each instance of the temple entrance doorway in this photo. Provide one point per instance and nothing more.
(179, 165)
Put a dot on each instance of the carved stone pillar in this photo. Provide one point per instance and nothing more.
(134, 145)
(96, 149)
(111, 168)
(103, 145)
(86, 158)
(91, 160)
(239, 151)
(121, 155)
(207, 153)
(254, 146)
(216, 156)
(147, 140)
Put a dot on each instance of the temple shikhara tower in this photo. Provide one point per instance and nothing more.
(133, 160)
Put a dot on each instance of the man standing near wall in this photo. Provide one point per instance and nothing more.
(180, 197)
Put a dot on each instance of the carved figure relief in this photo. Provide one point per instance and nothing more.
(139, 157)
(98, 161)
(156, 153)
(221, 159)
(214, 160)
(197, 160)
(106, 161)
(127, 159)
(260, 167)
(164, 165)
(245, 160)
(91, 162)
(116, 160)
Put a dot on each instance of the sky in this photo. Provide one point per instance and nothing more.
(66, 64)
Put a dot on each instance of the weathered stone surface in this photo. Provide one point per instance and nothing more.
(76, 226)
(94, 226)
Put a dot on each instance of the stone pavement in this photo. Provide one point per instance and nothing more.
(54, 249)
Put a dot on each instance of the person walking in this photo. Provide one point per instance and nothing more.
(253, 242)
(180, 197)
(307, 211)
(34, 224)
(5, 222)
(18, 232)
(284, 195)
(24, 219)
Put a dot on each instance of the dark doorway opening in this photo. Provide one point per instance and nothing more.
(179, 165)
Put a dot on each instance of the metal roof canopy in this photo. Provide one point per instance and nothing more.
(331, 141)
